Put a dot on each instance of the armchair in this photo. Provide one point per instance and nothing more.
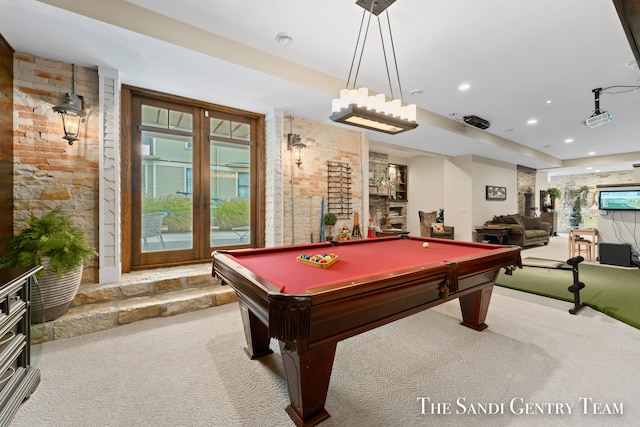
(430, 228)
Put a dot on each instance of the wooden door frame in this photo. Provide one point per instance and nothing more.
(126, 197)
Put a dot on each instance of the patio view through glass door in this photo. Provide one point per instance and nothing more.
(229, 182)
(191, 182)
(166, 180)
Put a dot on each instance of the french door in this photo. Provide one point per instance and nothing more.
(193, 181)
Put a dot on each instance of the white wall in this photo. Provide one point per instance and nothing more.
(458, 185)
(426, 189)
(492, 172)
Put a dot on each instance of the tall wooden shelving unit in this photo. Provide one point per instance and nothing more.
(390, 198)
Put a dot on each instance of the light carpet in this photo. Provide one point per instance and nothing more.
(190, 370)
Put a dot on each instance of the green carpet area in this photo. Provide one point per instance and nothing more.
(612, 291)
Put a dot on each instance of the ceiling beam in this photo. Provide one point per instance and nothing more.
(629, 14)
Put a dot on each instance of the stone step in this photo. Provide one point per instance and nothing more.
(146, 282)
(139, 296)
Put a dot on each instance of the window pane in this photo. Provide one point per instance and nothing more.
(230, 194)
(166, 119)
(241, 131)
(167, 185)
(220, 128)
(180, 121)
(154, 116)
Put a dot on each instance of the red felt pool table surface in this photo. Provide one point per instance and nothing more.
(356, 261)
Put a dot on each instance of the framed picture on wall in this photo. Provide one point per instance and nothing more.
(496, 193)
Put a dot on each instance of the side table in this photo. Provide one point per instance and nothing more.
(500, 234)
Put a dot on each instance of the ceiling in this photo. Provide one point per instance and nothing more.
(530, 59)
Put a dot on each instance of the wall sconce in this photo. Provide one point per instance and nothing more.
(296, 145)
(71, 113)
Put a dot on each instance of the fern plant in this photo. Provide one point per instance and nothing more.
(52, 235)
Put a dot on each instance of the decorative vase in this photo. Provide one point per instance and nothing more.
(56, 291)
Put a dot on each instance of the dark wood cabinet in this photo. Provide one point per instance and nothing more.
(18, 379)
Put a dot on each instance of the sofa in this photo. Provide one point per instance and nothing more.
(430, 227)
(523, 231)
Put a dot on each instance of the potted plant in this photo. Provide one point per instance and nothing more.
(330, 220)
(54, 242)
(554, 193)
(576, 216)
(579, 197)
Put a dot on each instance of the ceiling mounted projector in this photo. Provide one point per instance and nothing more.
(598, 118)
(476, 121)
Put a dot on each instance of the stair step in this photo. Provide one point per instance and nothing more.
(153, 293)
(146, 282)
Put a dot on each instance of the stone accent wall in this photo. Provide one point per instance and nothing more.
(48, 172)
(565, 205)
(526, 184)
(304, 186)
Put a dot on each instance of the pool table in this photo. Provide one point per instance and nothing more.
(309, 309)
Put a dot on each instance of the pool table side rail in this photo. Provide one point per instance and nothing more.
(417, 292)
(376, 301)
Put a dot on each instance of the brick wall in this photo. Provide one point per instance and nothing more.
(48, 172)
(324, 143)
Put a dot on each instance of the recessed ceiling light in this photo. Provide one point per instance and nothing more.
(284, 38)
(464, 86)
(591, 153)
(597, 170)
(548, 101)
(568, 140)
(532, 121)
(589, 168)
(416, 92)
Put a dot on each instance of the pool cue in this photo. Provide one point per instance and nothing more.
(311, 217)
(322, 238)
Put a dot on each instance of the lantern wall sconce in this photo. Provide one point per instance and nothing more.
(295, 144)
(71, 113)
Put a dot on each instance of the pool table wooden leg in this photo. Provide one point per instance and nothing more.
(255, 332)
(474, 308)
(308, 373)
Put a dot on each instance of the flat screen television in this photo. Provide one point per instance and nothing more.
(625, 200)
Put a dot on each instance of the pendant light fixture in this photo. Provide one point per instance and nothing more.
(375, 112)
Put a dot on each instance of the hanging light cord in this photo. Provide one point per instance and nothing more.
(395, 60)
(384, 52)
(355, 51)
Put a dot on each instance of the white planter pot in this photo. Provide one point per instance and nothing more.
(56, 291)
